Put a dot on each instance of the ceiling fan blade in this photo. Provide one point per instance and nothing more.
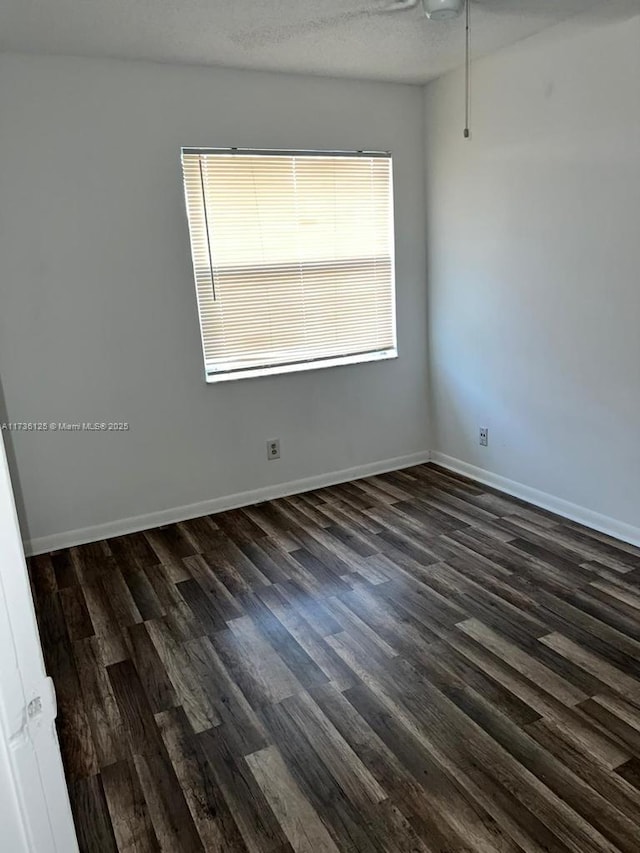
(284, 32)
(398, 6)
(531, 8)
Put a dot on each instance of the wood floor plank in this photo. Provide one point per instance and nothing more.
(451, 673)
(269, 568)
(505, 760)
(390, 624)
(74, 730)
(252, 813)
(91, 561)
(312, 608)
(615, 678)
(582, 798)
(175, 657)
(209, 810)
(423, 806)
(243, 729)
(202, 608)
(130, 819)
(528, 666)
(120, 597)
(151, 671)
(202, 533)
(298, 818)
(165, 799)
(137, 717)
(261, 662)
(93, 822)
(619, 793)
(100, 703)
(529, 692)
(170, 544)
(410, 663)
(335, 753)
(143, 594)
(111, 648)
(98, 602)
(42, 577)
(455, 814)
(202, 569)
(294, 656)
(620, 720)
(64, 568)
(309, 639)
(348, 825)
(76, 614)
(630, 772)
(133, 550)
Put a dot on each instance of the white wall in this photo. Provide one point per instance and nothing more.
(534, 276)
(98, 316)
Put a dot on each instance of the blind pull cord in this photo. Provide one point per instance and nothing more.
(206, 225)
(467, 71)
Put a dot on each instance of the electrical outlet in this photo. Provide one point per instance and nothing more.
(273, 449)
(484, 437)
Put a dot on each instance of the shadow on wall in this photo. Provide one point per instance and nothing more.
(7, 437)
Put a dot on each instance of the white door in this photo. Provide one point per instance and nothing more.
(35, 816)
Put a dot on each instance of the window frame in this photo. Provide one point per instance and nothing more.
(313, 363)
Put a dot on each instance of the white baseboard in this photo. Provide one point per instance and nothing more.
(597, 521)
(574, 512)
(68, 538)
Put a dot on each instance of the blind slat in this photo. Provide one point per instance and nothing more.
(300, 250)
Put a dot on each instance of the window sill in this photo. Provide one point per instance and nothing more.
(275, 370)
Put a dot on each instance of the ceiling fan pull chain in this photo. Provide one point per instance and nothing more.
(467, 72)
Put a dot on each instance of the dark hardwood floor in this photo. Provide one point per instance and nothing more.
(405, 663)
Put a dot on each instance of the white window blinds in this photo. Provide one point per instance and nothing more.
(293, 258)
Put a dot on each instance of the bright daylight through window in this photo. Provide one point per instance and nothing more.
(293, 256)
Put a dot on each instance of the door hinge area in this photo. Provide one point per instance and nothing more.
(34, 707)
(44, 705)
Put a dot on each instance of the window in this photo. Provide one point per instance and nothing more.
(293, 258)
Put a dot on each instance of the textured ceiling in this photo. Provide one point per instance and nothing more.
(346, 38)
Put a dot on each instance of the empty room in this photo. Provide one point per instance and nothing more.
(320, 426)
